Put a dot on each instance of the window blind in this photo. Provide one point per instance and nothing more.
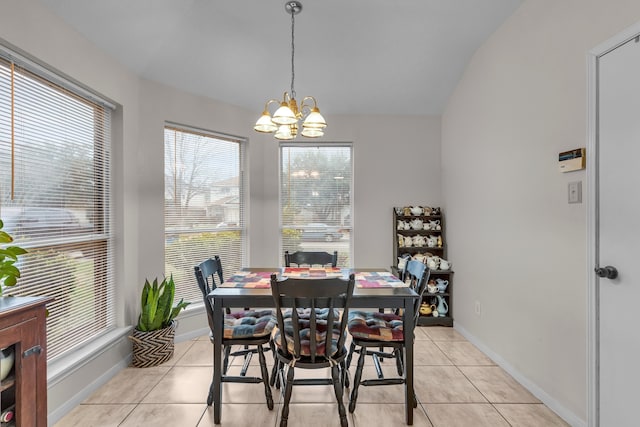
(204, 204)
(315, 199)
(55, 201)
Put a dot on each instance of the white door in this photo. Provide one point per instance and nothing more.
(618, 235)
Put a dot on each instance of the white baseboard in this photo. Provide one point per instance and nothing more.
(538, 392)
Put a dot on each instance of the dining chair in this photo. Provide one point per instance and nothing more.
(250, 329)
(311, 333)
(310, 258)
(373, 331)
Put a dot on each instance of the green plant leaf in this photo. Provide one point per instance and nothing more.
(5, 237)
(16, 250)
(10, 281)
(176, 310)
(9, 273)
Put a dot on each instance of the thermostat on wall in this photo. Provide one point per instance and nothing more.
(572, 160)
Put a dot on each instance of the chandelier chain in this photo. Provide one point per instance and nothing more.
(293, 50)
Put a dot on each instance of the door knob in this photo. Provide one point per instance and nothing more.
(609, 272)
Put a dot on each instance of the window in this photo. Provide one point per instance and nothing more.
(204, 204)
(54, 198)
(315, 199)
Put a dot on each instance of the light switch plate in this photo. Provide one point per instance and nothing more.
(575, 192)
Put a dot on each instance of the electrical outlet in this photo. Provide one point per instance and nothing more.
(478, 308)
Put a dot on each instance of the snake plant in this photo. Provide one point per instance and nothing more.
(156, 302)
(9, 273)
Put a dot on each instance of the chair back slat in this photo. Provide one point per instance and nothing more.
(305, 300)
(310, 258)
(418, 273)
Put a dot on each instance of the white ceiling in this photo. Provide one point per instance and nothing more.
(354, 56)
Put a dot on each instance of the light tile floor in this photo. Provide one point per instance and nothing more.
(456, 385)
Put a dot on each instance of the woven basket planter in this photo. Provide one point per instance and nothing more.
(154, 347)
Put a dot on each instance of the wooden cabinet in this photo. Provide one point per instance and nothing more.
(419, 233)
(23, 326)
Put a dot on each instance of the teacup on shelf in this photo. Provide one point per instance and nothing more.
(445, 265)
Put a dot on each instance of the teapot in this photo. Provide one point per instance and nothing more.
(416, 224)
(418, 240)
(403, 225)
(419, 257)
(434, 224)
(443, 307)
(402, 262)
(406, 211)
(398, 210)
(408, 241)
(432, 288)
(426, 309)
(442, 285)
(416, 210)
(432, 242)
(445, 265)
(433, 262)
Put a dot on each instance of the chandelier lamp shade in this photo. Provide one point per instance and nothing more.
(288, 117)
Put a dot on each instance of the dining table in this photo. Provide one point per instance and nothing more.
(374, 288)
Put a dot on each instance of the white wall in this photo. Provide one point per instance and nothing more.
(517, 246)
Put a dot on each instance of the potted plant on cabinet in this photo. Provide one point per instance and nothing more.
(153, 336)
(9, 275)
(9, 272)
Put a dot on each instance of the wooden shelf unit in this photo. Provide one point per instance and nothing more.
(440, 251)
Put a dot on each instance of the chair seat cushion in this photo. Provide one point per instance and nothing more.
(375, 326)
(249, 324)
(305, 332)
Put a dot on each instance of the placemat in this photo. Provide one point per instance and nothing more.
(378, 279)
(315, 272)
(249, 279)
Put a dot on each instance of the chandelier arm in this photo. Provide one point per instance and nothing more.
(303, 105)
(269, 102)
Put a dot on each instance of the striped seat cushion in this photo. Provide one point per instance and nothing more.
(249, 324)
(305, 332)
(371, 325)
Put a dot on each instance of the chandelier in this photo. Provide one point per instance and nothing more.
(287, 117)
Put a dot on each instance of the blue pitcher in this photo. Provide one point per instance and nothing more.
(443, 307)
